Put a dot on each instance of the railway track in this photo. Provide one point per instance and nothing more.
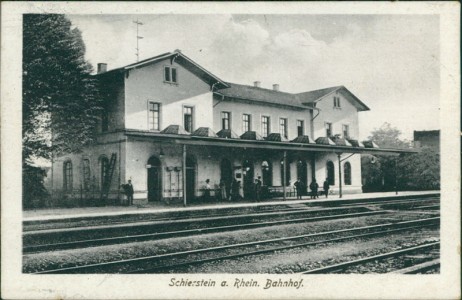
(39, 241)
(166, 262)
(34, 226)
(185, 232)
(342, 267)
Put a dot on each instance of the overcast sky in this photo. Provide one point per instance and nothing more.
(390, 62)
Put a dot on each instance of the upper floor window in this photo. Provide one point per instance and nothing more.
(225, 120)
(283, 127)
(188, 118)
(346, 131)
(170, 74)
(328, 129)
(105, 121)
(154, 116)
(67, 178)
(265, 126)
(246, 119)
(300, 127)
(337, 102)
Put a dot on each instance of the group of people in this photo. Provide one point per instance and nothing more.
(314, 187)
(232, 191)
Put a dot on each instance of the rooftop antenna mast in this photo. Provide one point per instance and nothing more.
(138, 37)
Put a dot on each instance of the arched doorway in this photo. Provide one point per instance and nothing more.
(330, 170)
(154, 179)
(248, 172)
(302, 171)
(190, 177)
(226, 173)
(267, 172)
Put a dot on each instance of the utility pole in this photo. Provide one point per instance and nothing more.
(138, 37)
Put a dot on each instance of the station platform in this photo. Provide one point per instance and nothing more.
(82, 212)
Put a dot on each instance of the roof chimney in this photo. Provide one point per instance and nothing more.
(102, 68)
(276, 87)
(256, 83)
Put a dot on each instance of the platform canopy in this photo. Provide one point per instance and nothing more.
(264, 144)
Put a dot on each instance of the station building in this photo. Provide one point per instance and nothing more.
(168, 125)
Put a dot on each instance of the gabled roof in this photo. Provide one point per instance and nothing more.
(180, 58)
(308, 98)
(258, 94)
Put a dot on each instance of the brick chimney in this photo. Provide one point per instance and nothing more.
(257, 84)
(102, 68)
(276, 87)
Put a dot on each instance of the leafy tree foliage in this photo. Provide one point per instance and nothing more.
(419, 171)
(60, 102)
(60, 99)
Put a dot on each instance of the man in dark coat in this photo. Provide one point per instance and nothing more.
(129, 191)
(326, 187)
(314, 189)
(258, 184)
(299, 187)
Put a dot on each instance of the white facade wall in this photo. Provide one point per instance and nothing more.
(347, 114)
(238, 108)
(147, 84)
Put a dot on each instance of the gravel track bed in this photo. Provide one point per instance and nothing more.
(60, 237)
(69, 258)
(394, 263)
(309, 258)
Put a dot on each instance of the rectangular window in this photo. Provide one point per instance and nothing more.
(225, 120)
(300, 127)
(246, 119)
(154, 116)
(170, 74)
(346, 131)
(265, 126)
(283, 127)
(188, 118)
(337, 102)
(328, 129)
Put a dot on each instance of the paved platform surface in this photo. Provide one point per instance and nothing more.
(78, 212)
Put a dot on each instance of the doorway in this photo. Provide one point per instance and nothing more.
(248, 171)
(226, 173)
(190, 178)
(302, 171)
(154, 179)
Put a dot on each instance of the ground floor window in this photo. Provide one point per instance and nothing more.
(103, 166)
(347, 173)
(67, 178)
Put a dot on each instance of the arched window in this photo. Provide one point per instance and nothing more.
(103, 167)
(267, 172)
(347, 173)
(67, 178)
(287, 172)
(330, 170)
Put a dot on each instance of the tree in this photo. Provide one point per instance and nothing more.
(60, 104)
(408, 171)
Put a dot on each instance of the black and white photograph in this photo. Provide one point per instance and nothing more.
(206, 150)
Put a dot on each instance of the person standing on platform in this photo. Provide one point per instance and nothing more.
(129, 192)
(326, 187)
(235, 190)
(314, 189)
(299, 186)
(258, 189)
(223, 195)
(207, 190)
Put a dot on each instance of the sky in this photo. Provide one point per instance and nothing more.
(390, 62)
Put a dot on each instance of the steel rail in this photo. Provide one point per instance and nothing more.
(344, 265)
(170, 234)
(407, 225)
(429, 265)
